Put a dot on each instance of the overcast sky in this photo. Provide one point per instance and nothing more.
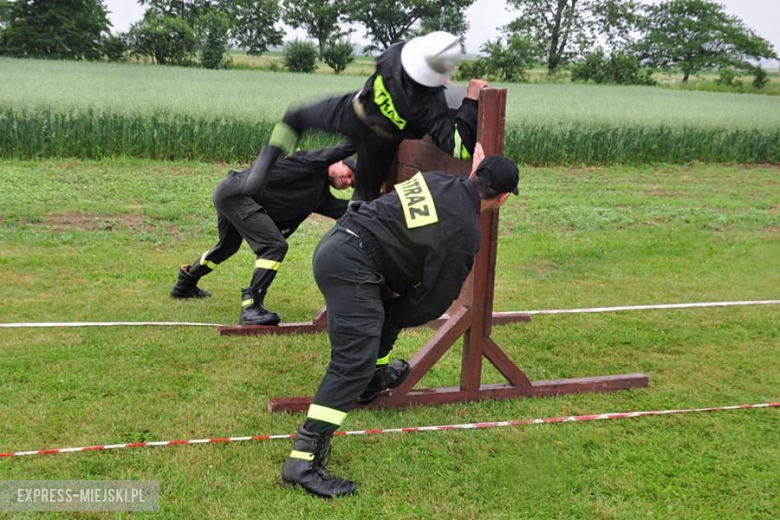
(487, 16)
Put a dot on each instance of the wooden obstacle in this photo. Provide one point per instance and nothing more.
(471, 316)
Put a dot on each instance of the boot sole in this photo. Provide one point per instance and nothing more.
(266, 323)
(294, 485)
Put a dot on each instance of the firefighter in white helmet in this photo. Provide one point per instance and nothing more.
(403, 99)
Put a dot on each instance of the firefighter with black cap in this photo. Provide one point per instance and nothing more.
(403, 99)
(395, 262)
(298, 186)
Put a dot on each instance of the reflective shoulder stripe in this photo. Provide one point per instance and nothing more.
(384, 101)
(383, 361)
(208, 263)
(295, 454)
(283, 137)
(262, 263)
(325, 414)
(417, 202)
(247, 303)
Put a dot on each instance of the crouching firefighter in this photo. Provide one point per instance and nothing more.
(298, 186)
(416, 243)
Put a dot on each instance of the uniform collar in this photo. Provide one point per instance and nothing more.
(472, 189)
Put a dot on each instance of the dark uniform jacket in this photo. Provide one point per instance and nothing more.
(407, 110)
(299, 186)
(424, 236)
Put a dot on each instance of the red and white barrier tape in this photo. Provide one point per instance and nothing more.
(470, 426)
(496, 314)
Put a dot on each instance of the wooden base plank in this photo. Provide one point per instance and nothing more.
(437, 396)
(306, 327)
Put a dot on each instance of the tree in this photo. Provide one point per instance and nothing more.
(613, 23)
(565, 29)
(322, 19)
(450, 18)
(55, 29)
(213, 28)
(391, 21)
(469, 69)
(5, 12)
(300, 56)
(115, 47)
(620, 68)
(760, 78)
(251, 21)
(553, 24)
(253, 24)
(189, 10)
(509, 61)
(168, 40)
(697, 34)
(338, 55)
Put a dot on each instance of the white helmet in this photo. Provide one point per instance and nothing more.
(430, 59)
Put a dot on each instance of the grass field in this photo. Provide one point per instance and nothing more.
(94, 110)
(101, 240)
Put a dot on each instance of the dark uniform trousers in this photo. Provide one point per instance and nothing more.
(354, 290)
(241, 217)
(337, 115)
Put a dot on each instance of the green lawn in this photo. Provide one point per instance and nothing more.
(101, 241)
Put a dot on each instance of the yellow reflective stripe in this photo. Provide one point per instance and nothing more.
(262, 263)
(295, 454)
(459, 151)
(325, 414)
(208, 263)
(247, 303)
(383, 361)
(384, 101)
(417, 202)
(458, 143)
(283, 137)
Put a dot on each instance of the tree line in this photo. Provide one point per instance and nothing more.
(178, 32)
(604, 41)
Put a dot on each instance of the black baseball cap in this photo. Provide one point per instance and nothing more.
(499, 173)
(351, 163)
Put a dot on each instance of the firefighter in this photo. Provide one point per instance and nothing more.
(298, 186)
(398, 261)
(403, 99)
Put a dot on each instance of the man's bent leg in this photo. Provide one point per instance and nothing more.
(348, 279)
(189, 275)
(270, 248)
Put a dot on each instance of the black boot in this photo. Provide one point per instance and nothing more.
(253, 312)
(385, 377)
(187, 286)
(310, 472)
